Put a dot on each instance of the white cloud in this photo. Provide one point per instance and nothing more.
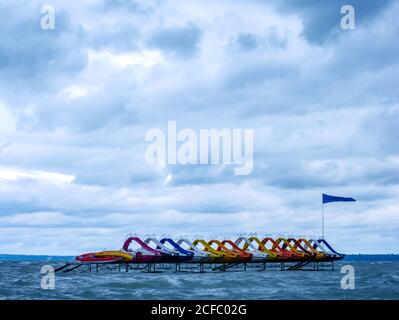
(45, 176)
(144, 58)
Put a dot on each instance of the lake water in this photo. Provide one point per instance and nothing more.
(375, 278)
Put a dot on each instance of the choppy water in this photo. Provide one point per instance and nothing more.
(373, 280)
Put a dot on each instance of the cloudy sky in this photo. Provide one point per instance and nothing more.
(76, 102)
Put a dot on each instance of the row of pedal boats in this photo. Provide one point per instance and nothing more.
(252, 249)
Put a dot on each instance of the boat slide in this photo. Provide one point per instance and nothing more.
(144, 253)
(215, 254)
(198, 255)
(231, 255)
(297, 245)
(324, 242)
(151, 250)
(185, 255)
(278, 249)
(248, 246)
(306, 244)
(286, 246)
(244, 255)
(321, 248)
(272, 254)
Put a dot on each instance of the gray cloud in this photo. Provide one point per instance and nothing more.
(182, 41)
(322, 19)
(33, 56)
(247, 41)
(265, 41)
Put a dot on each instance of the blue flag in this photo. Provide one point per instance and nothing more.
(327, 198)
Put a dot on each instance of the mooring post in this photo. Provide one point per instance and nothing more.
(96, 267)
(245, 266)
(201, 267)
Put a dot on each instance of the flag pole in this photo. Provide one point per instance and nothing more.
(322, 219)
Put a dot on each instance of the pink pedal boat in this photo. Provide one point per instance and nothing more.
(143, 253)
